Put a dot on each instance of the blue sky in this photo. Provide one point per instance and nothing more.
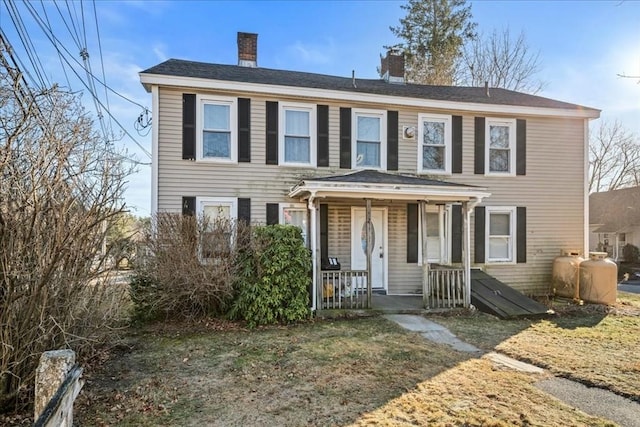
(583, 45)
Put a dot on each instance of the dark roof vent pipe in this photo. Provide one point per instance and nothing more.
(486, 89)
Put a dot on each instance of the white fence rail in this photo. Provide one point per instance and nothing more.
(344, 289)
(445, 288)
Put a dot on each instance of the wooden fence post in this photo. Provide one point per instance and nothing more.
(53, 370)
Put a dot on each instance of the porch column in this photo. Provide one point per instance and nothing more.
(426, 288)
(369, 251)
(466, 252)
(316, 286)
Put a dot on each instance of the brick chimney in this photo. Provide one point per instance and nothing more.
(247, 49)
(392, 66)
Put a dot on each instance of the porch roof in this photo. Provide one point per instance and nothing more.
(380, 185)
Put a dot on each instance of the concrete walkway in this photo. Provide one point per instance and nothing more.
(594, 401)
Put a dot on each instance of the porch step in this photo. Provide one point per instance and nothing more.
(492, 296)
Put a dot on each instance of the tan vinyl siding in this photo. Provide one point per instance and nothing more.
(552, 191)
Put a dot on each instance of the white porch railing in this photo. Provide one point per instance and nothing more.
(344, 289)
(445, 288)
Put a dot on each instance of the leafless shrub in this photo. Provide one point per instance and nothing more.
(60, 187)
(189, 266)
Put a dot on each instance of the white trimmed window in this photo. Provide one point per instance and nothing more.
(500, 143)
(296, 214)
(369, 139)
(217, 136)
(434, 144)
(297, 139)
(221, 214)
(500, 226)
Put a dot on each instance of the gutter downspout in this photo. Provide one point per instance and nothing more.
(311, 205)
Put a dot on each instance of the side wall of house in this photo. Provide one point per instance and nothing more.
(552, 189)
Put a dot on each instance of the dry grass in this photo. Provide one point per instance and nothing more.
(595, 345)
(365, 371)
(475, 393)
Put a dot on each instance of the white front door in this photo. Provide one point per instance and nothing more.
(379, 244)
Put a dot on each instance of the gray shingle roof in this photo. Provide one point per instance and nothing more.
(234, 73)
(376, 177)
(616, 210)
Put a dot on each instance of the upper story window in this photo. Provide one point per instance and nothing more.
(500, 222)
(501, 146)
(298, 136)
(434, 139)
(370, 139)
(217, 131)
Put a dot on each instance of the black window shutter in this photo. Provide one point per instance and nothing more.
(412, 233)
(479, 146)
(479, 219)
(521, 147)
(272, 133)
(273, 214)
(521, 238)
(392, 140)
(189, 206)
(324, 232)
(244, 210)
(188, 126)
(244, 130)
(456, 233)
(345, 138)
(456, 144)
(323, 135)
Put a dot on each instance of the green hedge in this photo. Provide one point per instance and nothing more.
(273, 277)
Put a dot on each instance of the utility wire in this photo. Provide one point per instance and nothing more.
(104, 76)
(52, 38)
(64, 69)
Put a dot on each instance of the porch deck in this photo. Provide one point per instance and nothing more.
(399, 304)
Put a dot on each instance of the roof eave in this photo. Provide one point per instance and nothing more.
(149, 79)
(305, 189)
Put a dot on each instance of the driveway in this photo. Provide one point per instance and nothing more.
(632, 286)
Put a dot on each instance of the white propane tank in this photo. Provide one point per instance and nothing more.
(598, 279)
(566, 273)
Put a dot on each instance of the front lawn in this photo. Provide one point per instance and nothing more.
(592, 344)
(364, 371)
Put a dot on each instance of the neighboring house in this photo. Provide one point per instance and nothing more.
(450, 176)
(614, 220)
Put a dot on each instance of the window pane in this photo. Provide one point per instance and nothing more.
(296, 149)
(214, 212)
(216, 117)
(216, 144)
(297, 123)
(499, 136)
(433, 157)
(499, 224)
(433, 225)
(368, 154)
(297, 217)
(499, 160)
(499, 248)
(368, 129)
(433, 133)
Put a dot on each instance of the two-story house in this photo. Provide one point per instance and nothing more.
(433, 180)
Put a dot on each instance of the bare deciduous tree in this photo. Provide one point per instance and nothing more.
(61, 185)
(614, 157)
(502, 62)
